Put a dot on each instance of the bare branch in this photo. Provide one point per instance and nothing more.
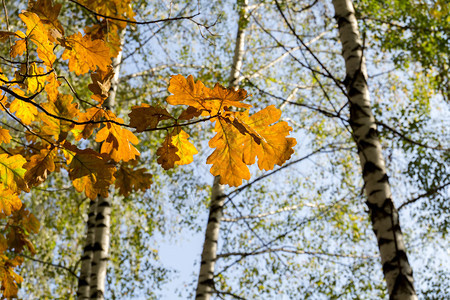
(428, 193)
(190, 18)
(293, 251)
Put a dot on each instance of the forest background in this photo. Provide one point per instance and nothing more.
(300, 231)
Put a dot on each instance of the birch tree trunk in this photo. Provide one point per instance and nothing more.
(383, 214)
(103, 217)
(91, 284)
(205, 285)
(84, 280)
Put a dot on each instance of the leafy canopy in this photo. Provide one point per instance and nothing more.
(55, 123)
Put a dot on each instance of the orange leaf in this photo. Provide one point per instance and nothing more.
(52, 87)
(271, 146)
(190, 113)
(11, 172)
(186, 92)
(35, 81)
(86, 130)
(5, 137)
(39, 166)
(25, 111)
(48, 13)
(117, 141)
(147, 116)
(90, 172)
(18, 48)
(185, 149)
(38, 33)
(8, 278)
(85, 54)
(167, 153)
(9, 202)
(226, 160)
(128, 180)
(101, 83)
(61, 107)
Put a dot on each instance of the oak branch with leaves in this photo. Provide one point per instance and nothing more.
(54, 123)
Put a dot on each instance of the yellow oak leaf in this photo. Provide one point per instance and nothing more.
(52, 87)
(85, 131)
(5, 137)
(267, 142)
(129, 179)
(147, 117)
(18, 48)
(39, 166)
(117, 141)
(9, 202)
(101, 83)
(8, 278)
(211, 101)
(47, 12)
(226, 97)
(12, 172)
(35, 80)
(62, 107)
(25, 111)
(188, 92)
(37, 32)
(90, 172)
(227, 160)
(167, 153)
(85, 54)
(185, 149)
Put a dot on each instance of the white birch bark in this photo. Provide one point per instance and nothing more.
(103, 216)
(383, 214)
(205, 285)
(88, 253)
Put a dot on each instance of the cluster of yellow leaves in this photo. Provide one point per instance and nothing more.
(50, 121)
(240, 138)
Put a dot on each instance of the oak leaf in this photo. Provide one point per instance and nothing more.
(47, 12)
(101, 83)
(267, 142)
(147, 117)
(85, 54)
(129, 179)
(9, 202)
(93, 114)
(8, 278)
(5, 137)
(211, 101)
(190, 113)
(39, 166)
(185, 149)
(25, 111)
(19, 47)
(62, 107)
(90, 172)
(117, 141)
(4, 35)
(52, 87)
(37, 32)
(167, 153)
(12, 173)
(227, 160)
(188, 92)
